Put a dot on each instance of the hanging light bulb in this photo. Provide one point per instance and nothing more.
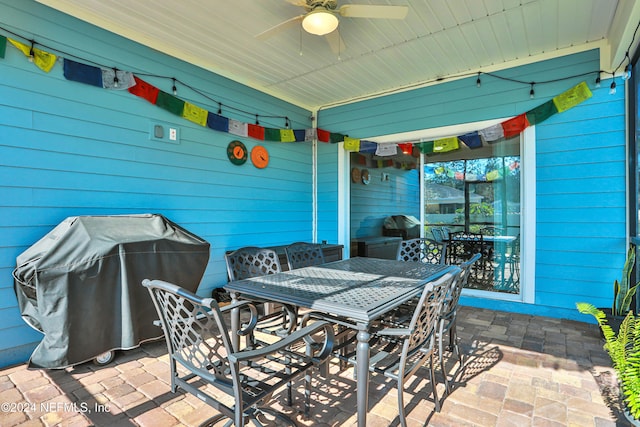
(116, 81)
(286, 122)
(627, 72)
(532, 93)
(174, 88)
(598, 80)
(32, 54)
(257, 122)
(478, 82)
(612, 88)
(219, 108)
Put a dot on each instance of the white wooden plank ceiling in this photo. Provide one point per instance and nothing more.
(438, 38)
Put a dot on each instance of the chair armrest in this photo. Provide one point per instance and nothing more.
(394, 332)
(286, 342)
(253, 321)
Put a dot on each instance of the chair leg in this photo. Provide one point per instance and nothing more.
(441, 356)
(432, 373)
(401, 415)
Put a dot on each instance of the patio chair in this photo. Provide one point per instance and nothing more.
(448, 316)
(401, 347)
(422, 250)
(303, 254)
(252, 261)
(235, 383)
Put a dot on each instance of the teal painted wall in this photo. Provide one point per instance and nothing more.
(371, 204)
(580, 228)
(70, 149)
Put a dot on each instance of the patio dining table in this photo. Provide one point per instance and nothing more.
(359, 289)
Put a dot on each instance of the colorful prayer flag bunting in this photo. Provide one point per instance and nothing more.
(82, 73)
(471, 139)
(287, 135)
(368, 147)
(271, 134)
(218, 122)
(323, 135)
(387, 150)
(3, 46)
(255, 131)
(515, 125)
(43, 60)
(572, 97)
(124, 81)
(310, 134)
(406, 148)
(426, 147)
(492, 133)
(443, 145)
(351, 144)
(195, 114)
(300, 135)
(541, 112)
(334, 138)
(238, 128)
(170, 103)
(144, 90)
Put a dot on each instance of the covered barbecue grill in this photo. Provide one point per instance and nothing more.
(81, 284)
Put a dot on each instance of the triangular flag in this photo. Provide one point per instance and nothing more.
(351, 144)
(238, 128)
(143, 90)
(542, 112)
(492, 133)
(443, 145)
(287, 135)
(3, 46)
(218, 122)
(43, 60)
(368, 147)
(572, 97)
(255, 131)
(387, 150)
(471, 139)
(514, 126)
(195, 114)
(124, 82)
(82, 73)
(271, 134)
(170, 103)
(323, 135)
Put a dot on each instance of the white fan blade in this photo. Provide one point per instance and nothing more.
(373, 11)
(276, 29)
(335, 42)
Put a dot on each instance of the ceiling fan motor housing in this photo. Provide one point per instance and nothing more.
(328, 4)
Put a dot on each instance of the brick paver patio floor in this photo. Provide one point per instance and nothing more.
(519, 371)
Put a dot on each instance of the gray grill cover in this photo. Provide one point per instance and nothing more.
(80, 285)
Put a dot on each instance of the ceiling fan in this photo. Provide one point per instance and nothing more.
(321, 18)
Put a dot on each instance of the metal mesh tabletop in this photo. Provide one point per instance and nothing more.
(358, 288)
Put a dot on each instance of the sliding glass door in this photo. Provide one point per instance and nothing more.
(474, 202)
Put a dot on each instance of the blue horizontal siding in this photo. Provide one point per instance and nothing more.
(70, 149)
(580, 161)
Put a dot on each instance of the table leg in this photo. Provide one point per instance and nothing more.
(235, 323)
(362, 376)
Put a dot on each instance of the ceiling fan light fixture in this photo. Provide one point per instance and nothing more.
(320, 22)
